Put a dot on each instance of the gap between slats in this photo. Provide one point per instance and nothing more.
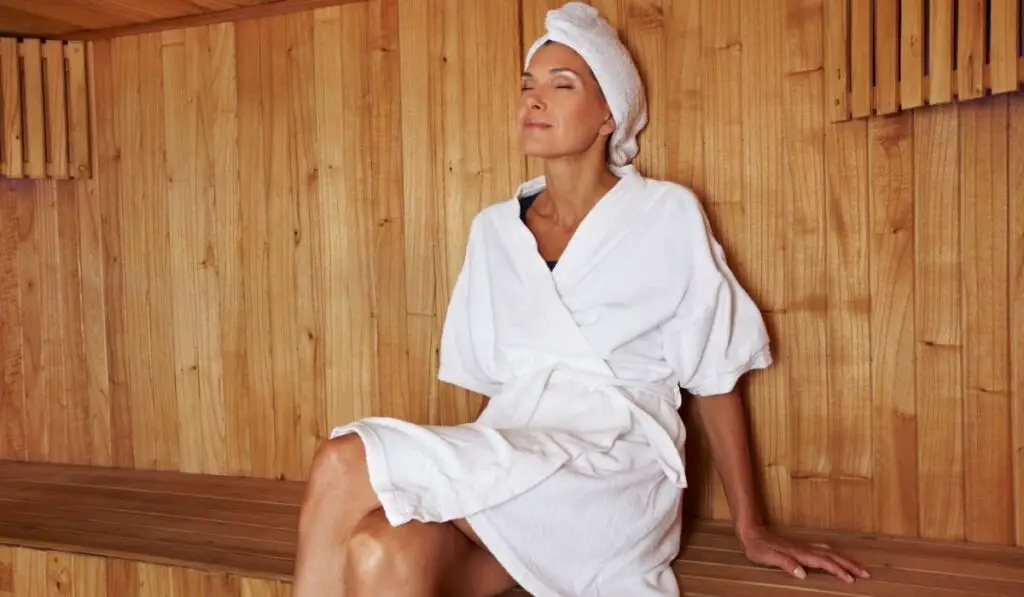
(886, 56)
(44, 102)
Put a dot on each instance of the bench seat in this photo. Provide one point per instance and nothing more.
(247, 527)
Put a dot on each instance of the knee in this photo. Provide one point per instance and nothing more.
(375, 560)
(335, 462)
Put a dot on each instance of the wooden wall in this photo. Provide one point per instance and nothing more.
(281, 205)
(36, 573)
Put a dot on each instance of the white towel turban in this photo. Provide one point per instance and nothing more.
(580, 27)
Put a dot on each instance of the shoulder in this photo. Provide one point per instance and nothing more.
(676, 200)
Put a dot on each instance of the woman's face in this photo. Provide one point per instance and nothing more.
(561, 108)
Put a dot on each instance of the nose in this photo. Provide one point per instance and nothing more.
(533, 100)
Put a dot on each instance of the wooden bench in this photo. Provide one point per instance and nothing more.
(246, 527)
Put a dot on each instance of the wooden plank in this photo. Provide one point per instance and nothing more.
(345, 232)
(861, 58)
(309, 271)
(72, 349)
(1016, 279)
(684, 108)
(29, 250)
(423, 84)
(56, 110)
(181, 92)
(252, 12)
(1004, 28)
(121, 577)
(12, 375)
(130, 271)
(887, 69)
(891, 258)
(46, 242)
(10, 81)
(30, 573)
(108, 206)
(884, 573)
(35, 126)
(937, 294)
(78, 81)
(157, 254)
(197, 533)
(395, 398)
(912, 15)
(6, 571)
(849, 331)
(940, 51)
(837, 59)
(284, 332)
(352, 223)
(59, 572)
(82, 538)
(93, 280)
(804, 278)
(223, 112)
(209, 352)
(89, 576)
(250, 53)
(970, 54)
(988, 428)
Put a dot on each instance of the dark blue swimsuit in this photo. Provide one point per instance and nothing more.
(524, 204)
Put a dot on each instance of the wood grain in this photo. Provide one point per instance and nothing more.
(941, 60)
(891, 263)
(278, 207)
(937, 296)
(802, 340)
(1016, 281)
(849, 340)
(985, 237)
(912, 50)
(71, 539)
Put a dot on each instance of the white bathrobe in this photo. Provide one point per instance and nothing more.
(573, 474)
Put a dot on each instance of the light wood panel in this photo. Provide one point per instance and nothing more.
(101, 19)
(948, 50)
(267, 249)
(45, 103)
(36, 573)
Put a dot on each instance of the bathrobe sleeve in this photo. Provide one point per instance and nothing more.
(717, 333)
(467, 336)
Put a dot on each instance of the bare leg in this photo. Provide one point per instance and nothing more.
(419, 560)
(338, 496)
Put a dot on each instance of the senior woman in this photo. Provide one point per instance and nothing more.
(584, 303)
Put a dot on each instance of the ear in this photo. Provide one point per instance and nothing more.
(608, 126)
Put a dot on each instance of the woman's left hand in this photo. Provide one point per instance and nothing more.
(761, 546)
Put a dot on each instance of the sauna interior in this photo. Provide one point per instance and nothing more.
(228, 226)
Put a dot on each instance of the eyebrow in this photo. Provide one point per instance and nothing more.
(555, 71)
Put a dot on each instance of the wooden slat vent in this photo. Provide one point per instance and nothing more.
(44, 100)
(884, 56)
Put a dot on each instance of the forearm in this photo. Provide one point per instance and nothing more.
(723, 421)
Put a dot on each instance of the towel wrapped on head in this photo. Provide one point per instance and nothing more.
(580, 27)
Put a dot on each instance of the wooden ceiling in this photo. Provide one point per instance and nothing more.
(85, 19)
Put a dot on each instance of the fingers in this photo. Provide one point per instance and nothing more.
(846, 563)
(823, 562)
(781, 559)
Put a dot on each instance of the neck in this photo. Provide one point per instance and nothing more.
(574, 186)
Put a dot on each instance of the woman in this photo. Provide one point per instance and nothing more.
(583, 305)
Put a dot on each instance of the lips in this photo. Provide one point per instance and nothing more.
(536, 125)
